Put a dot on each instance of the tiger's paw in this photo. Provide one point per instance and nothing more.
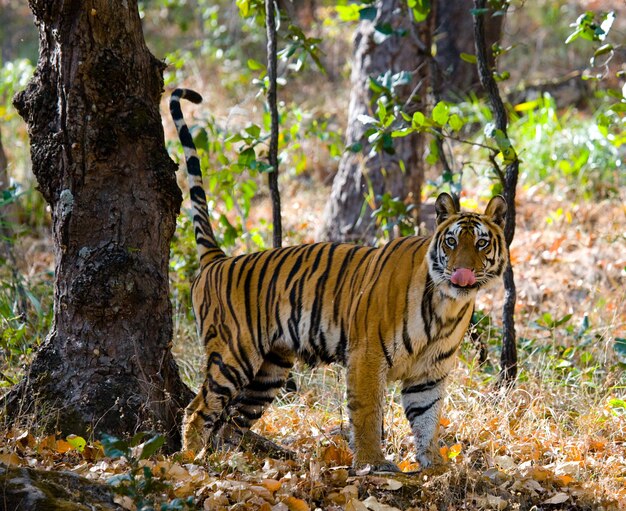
(429, 458)
(383, 466)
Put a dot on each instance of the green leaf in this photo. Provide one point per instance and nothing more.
(357, 147)
(404, 132)
(382, 110)
(114, 447)
(152, 446)
(479, 12)
(418, 119)
(467, 57)
(255, 65)
(604, 49)
(244, 7)
(201, 139)
(506, 148)
(348, 12)
(77, 442)
(573, 36)
(500, 77)
(456, 123)
(607, 24)
(384, 28)
(563, 320)
(254, 131)
(387, 144)
(137, 438)
(618, 406)
(420, 9)
(368, 13)
(441, 113)
(620, 346)
(246, 157)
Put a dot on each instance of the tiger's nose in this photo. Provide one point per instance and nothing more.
(463, 277)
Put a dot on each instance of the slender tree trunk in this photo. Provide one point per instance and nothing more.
(99, 158)
(348, 215)
(272, 68)
(508, 178)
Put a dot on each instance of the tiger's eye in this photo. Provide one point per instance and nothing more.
(451, 242)
(482, 243)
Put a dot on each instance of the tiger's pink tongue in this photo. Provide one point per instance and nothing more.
(463, 277)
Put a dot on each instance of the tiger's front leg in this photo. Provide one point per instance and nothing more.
(366, 385)
(422, 404)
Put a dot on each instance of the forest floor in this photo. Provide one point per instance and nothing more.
(557, 440)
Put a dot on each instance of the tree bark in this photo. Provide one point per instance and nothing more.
(453, 78)
(348, 216)
(508, 178)
(98, 154)
(272, 68)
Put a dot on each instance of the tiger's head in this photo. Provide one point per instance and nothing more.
(468, 251)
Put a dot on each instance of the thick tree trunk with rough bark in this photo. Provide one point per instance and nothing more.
(98, 154)
(348, 217)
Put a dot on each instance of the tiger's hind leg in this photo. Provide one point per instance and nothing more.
(244, 410)
(226, 375)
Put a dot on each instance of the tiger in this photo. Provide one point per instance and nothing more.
(397, 312)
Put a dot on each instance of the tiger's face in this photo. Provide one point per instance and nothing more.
(468, 251)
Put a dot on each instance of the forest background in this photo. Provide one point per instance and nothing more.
(557, 439)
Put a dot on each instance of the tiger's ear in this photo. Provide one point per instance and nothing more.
(444, 207)
(496, 209)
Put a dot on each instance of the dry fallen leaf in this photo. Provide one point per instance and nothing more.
(505, 462)
(392, 484)
(264, 493)
(337, 453)
(408, 466)
(62, 446)
(490, 502)
(271, 484)
(10, 459)
(373, 504)
(559, 498)
(355, 505)
(296, 504)
(564, 480)
(215, 502)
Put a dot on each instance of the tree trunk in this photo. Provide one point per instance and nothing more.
(454, 78)
(98, 154)
(348, 217)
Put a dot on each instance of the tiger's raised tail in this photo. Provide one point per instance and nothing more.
(207, 247)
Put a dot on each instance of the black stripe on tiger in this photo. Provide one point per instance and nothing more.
(413, 411)
(206, 244)
(422, 387)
